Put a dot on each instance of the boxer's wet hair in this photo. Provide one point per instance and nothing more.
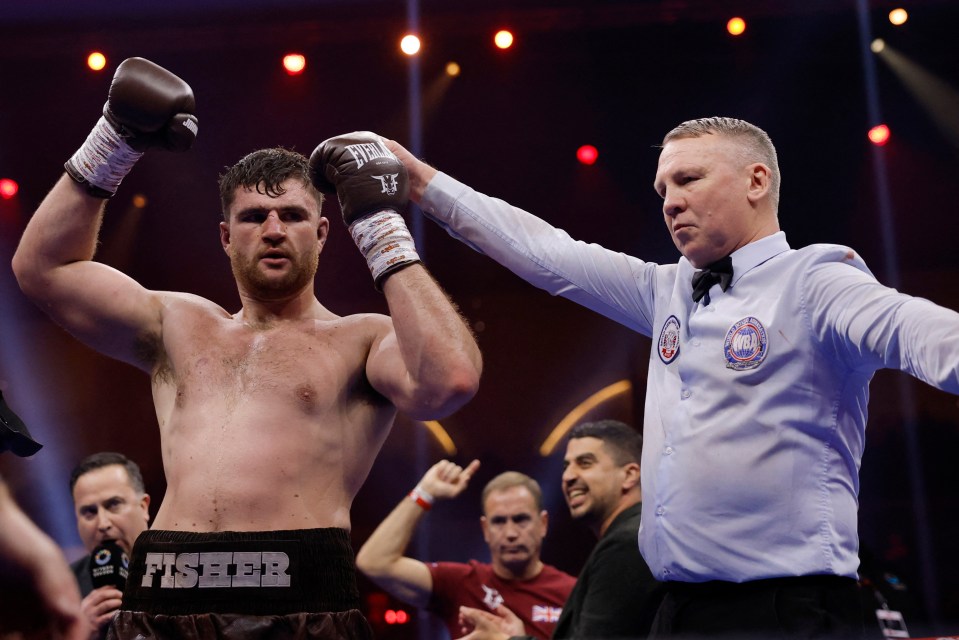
(266, 170)
(106, 459)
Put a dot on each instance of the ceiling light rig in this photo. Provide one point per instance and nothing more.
(587, 154)
(736, 26)
(294, 63)
(410, 44)
(96, 61)
(898, 17)
(8, 188)
(879, 135)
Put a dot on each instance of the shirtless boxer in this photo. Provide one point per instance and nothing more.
(270, 418)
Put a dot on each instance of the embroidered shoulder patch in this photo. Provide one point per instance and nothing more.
(668, 344)
(745, 345)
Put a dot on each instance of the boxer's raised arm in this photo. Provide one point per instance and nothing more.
(382, 559)
(147, 107)
(430, 365)
(427, 363)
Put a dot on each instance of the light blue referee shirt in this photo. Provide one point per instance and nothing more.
(756, 404)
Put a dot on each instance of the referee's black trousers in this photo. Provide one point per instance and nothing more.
(805, 607)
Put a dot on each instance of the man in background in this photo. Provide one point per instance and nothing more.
(111, 503)
(514, 524)
(615, 595)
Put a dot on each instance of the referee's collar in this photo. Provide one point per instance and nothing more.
(755, 253)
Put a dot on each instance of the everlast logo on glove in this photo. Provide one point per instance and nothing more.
(372, 187)
(389, 183)
(367, 151)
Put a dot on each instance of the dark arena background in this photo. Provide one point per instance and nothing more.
(613, 74)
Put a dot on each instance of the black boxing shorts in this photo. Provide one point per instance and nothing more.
(251, 584)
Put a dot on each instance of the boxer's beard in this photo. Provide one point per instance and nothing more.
(262, 285)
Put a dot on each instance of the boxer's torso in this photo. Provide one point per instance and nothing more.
(264, 427)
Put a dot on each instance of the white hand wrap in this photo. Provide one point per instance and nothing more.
(385, 242)
(104, 159)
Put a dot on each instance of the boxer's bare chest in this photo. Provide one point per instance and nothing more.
(310, 363)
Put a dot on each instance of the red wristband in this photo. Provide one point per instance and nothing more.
(423, 499)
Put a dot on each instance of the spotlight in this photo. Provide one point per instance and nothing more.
(503, 39)
(410, 45)
(139, 201)
(587, 154)
(8, 188)
(294, 63)
(452, 69)
(898, 16)
(96, 61)
(879, 135)
(877, 45)
(736, 26)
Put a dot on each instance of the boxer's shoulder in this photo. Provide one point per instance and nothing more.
(178, 305)
(367, 326)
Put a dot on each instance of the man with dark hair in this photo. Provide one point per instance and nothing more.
(615, 595)
(110, 503)
(758, 382)
(514, 525)
(271, 416)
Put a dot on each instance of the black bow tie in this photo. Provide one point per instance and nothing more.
(719, 272)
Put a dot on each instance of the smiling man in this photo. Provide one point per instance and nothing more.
(615, 595)
(758, 378)
(514, 525)
(271, 415)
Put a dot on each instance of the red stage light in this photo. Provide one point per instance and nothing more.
(8, 188)
(879, 135)
(587, 154)
(397, 616)
(294, 63)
